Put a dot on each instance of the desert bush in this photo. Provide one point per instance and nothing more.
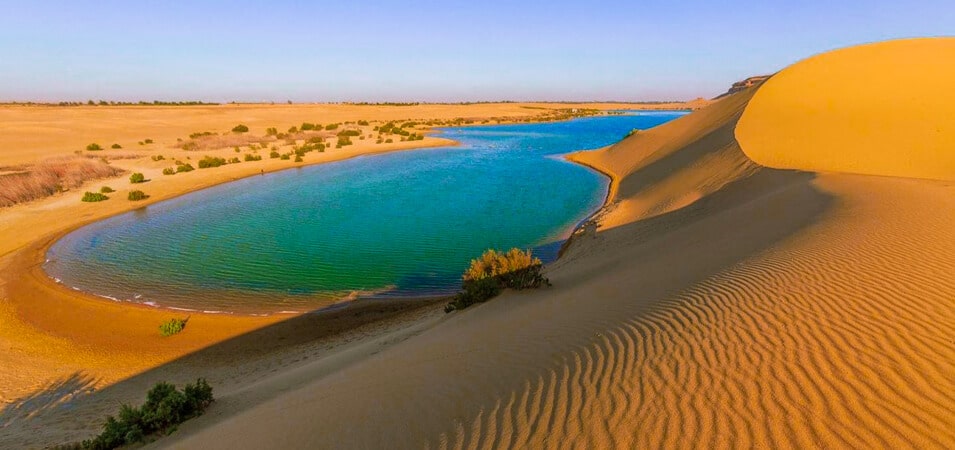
(148, 141)
(298, 158)
(165, 407)
(51, 176)
(308, 126)
(240, 129)
(93, 197)
(315, 140)
(200, 134)
(363, 122)
(93, 147)
(494, 271)
(347, 133)
(234, 161)
(251, 157)
(137, 178)
(388, 141)
(274, 154)
(184, 168)
(211, 161)
(285, 156)
(106, 189)
(158, 158)
(343, 141)
(190, 146)
(172, 326)
(271, 131)
(116, 146)
(137, 195)
(169, 171)
(331, 126)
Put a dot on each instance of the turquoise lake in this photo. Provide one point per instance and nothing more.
(397, 224)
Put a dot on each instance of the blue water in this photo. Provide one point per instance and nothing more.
(404, 223)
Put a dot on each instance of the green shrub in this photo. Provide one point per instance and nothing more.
(240, 129)
(165, 407)
(211, 161)
(94, 197)
(93, 147)
(271, 131)
(184, 168)
(494, 271)
(274, 154)
(115, 146)
(308, 126)
(363, 122)
(234, 160)
(106, 189)
(158, 158)
(349, 133)
(137, 195)
(169, 171)
(388, 141)
(137, 178)
(298, 158)
(251, 157)
(172, 326)
(343, 141)
(285, 156)
(331, 126)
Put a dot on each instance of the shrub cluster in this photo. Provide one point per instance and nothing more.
(165, 408)
(240, 129)
(184, 168)
(494, 271)
(331, 126)
(158, 158)
(274, 154)
(343, 141)
(251, 157)
(309, 126)
(94, 197)
(349, 133)
(211, 161)
(200, 134)
(115, 147)
(93, 147)
(137, 178)
(169, 171)
(137, 195)
(172, 326)
(234, 160)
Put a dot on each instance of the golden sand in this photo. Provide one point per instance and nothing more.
(56, 345)
(722, 303)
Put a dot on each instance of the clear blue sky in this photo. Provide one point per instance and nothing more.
(427, 50)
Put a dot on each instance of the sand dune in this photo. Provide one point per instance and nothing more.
(721, 304)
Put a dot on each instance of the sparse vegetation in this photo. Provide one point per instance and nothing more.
(240, 129)
(343, 141)
(298, 158)
(106, 189)
(494, 271)
(184, 168)
(94, 147)
(251, 157)
(137, 178)
(116, 146)
(93, 197)
(137, 195)
(274, 154)
(51, 176)
(158, 157)
(148, 141)
(172, 326)
(165, 408)
(234, 161)
(169, 171)
(331, 126)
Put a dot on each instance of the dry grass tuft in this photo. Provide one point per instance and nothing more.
(214, 142)
(51, 176)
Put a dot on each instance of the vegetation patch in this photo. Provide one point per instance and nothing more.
(94, 147)
(94, 197)
(240, 129)
(165, 407)
(211, 161)
(172, 326)
(169, 171)
(106, 189)
(51, 176)
(137, 195)
(137, 178)
(115, 147)
(495, 271)
(184, 168)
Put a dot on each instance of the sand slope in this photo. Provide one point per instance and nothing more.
(721, 304)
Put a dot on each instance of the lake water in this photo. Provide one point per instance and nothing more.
(398, 224)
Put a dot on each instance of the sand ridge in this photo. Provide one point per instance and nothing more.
(721, 304)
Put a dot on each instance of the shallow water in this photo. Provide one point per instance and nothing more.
(404, 223)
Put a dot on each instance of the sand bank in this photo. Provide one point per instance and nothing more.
(722, 303)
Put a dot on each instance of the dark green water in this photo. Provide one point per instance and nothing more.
(404, 223)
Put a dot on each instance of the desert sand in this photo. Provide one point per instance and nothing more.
(59, 345)
(723, 302)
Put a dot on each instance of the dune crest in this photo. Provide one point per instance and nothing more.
(876, 109)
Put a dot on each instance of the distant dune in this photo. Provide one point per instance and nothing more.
(721, 303)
